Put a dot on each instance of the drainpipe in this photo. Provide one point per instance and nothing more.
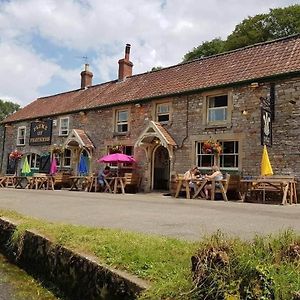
(2, 150)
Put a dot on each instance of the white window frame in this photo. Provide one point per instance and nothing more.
(210, 110)
(159, 113)
(34, 160)
(21, 128)
(64, 131)
(121, 123)
(235, 154)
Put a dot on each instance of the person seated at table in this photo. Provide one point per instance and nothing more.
(216, 175)
(102, 175)
(190, 175)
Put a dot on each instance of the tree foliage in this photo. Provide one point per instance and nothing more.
(279, 22)
(7, 108)
(207, 48)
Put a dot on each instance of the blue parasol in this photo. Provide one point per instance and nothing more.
(82, 166)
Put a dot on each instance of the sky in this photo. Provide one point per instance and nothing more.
(44, 44)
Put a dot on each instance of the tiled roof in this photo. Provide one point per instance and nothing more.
(258, 61)
(80, 137)
(169, 139)
(85, 139)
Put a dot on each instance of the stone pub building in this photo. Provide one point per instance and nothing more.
(243, 98)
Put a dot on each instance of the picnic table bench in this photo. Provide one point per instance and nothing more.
(285, 185)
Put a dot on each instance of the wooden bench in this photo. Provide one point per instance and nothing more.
(182, 185)
(132, 182)
(220, 186)
(62, 180)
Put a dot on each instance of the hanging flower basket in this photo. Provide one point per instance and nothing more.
(212, 147)
(15, 155)
(57, 149)
(115, 149)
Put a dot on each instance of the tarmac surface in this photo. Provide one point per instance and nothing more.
(152, 213)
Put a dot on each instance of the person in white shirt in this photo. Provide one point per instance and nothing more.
(216, 175)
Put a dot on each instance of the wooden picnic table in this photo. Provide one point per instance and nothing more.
(115, 183)
(22, 182)
(280, 184)
(7, 180)
(42, 181)
(76, 182)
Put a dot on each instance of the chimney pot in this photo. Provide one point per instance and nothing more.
(86, 77)
(125, 65)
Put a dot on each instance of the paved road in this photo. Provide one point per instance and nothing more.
(152, 213)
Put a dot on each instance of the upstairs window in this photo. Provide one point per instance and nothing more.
(64, 126)
(163, 112)
(21, 135)
(121, 121)
(217, 109)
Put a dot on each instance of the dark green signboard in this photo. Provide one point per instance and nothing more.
(40, 133)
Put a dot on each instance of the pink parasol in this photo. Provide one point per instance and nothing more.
(117, 158)
(53, 167)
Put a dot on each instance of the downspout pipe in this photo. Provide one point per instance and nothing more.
(2, 150)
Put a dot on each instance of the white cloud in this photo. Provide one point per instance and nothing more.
(160, 32)
(23, 72)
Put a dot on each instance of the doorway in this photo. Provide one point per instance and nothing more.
(161, 168)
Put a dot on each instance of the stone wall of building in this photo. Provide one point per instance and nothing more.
(187, 126)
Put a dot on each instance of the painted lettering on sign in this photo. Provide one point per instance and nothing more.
(40, 133)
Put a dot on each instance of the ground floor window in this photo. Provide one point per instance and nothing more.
(63, 159)
(33, 160)
(229, 158)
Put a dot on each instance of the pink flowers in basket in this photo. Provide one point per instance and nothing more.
(15, 155)
(212, 147)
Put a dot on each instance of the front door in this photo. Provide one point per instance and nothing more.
(161, 169)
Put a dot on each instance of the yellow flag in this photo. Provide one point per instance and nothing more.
(266, 168)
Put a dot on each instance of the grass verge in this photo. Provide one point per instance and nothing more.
(166, 262)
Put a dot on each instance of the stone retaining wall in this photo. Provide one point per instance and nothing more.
(74, 275)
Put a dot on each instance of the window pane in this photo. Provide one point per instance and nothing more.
(122, 127)
(228, 161)
(228, 147)
(163, 108)
(163, 118)
(218, 101)
(128, 150)
(122, 116)
(217, 114)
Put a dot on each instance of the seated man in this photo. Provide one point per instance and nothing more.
(102, 175)
(216, 175)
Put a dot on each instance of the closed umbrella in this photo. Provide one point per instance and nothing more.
(26, 168)
(53, 166)
(266, 168)
(82, 166)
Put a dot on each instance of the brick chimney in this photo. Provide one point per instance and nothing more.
(86, 77)
(125, 66)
